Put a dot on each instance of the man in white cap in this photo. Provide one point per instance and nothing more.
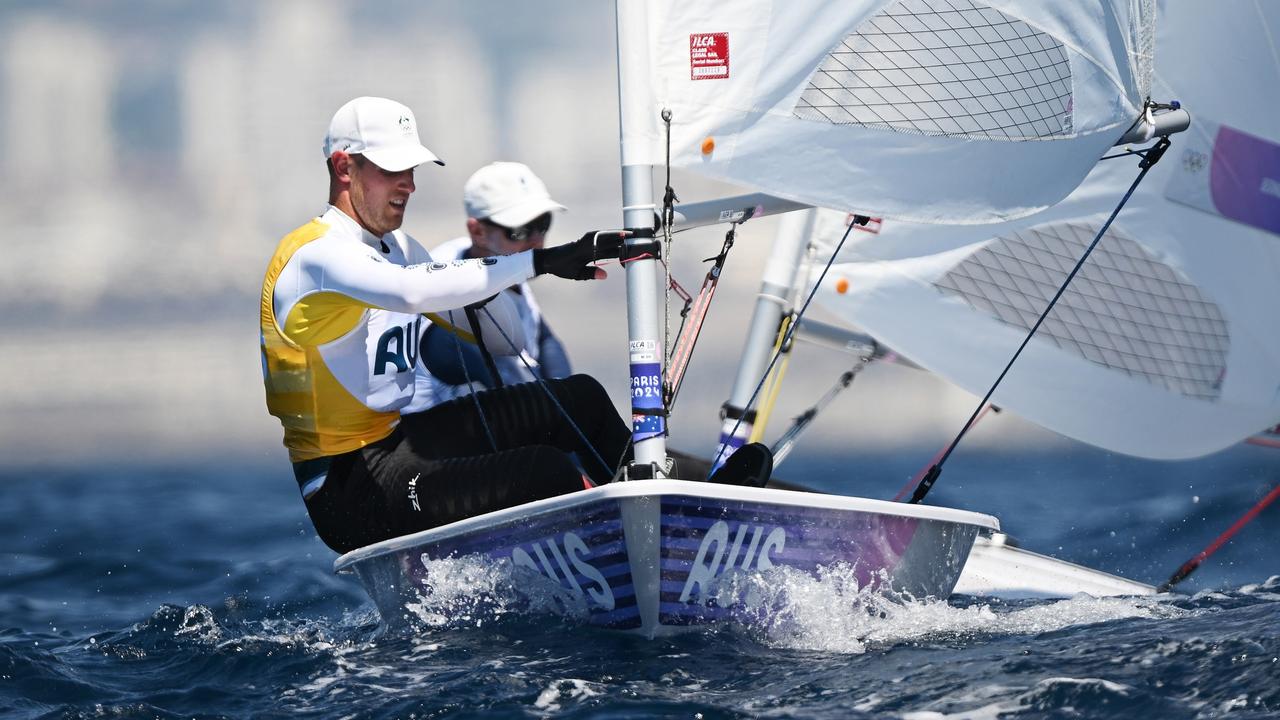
(341, 318)
(508, 210)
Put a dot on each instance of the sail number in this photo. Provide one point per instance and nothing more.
(569, 551)
(717, 556)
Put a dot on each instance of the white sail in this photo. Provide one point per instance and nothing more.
(1167, 344)
(956, 111)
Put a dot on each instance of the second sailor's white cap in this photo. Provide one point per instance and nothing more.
(382, 130)
(507, 193)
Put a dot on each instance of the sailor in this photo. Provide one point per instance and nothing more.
(342, 316)
(508, 210)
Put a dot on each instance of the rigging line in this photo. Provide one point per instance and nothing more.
(1264, 441)
(783, 446)
(669, 200)
(688, 301)
(915, 479)
(484, 421)
(687, 339)
(1151, 157)
(474, 321)
(857, 220)
(1190, 566)
(1127, 153)
(773, 386)
(555, 401)
(691, 319)
(674, 285)
(1266, 30)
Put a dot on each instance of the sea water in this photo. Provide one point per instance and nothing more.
(202, 592)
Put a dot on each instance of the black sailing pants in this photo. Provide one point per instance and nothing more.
(439, 466)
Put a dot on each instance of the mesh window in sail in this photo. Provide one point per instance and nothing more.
(1125, 310)
(945, 67)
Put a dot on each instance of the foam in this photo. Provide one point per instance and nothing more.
(832, 612)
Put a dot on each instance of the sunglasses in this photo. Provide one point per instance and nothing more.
(538, 225)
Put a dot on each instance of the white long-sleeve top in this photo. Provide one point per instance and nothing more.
(341, 319)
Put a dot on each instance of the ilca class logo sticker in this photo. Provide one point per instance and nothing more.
(709, 56)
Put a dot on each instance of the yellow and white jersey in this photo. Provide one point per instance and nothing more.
(341, 317)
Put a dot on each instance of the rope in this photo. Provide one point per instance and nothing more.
(613, 469)
(1190, 566)
(474, 322)
(688, 336)
(765, 412)
(1149, 158)
(915, 480)
(786, 340)
(484, 422)
(669, 200)
(1262, 439)
(687, 299)
(783, 446)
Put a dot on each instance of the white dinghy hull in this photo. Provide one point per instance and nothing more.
(646, 555)
(999, 569)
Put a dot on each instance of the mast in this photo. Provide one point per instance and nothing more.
(643, 333)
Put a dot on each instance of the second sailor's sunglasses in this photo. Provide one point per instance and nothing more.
(538, 225)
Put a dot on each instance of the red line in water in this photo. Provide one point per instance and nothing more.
(1189, 566)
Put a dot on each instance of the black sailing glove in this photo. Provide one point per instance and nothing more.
(572, 260)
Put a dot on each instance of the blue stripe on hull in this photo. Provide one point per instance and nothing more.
(584, 551)
(702, 542)
(581, 549)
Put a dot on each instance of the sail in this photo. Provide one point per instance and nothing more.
(956, 111)
(1167, 344)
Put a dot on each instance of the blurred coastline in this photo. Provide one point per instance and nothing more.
(158, 150)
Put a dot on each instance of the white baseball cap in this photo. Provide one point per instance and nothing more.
(507, 193)
(382, 130)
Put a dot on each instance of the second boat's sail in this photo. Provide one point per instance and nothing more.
(1166, 345)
